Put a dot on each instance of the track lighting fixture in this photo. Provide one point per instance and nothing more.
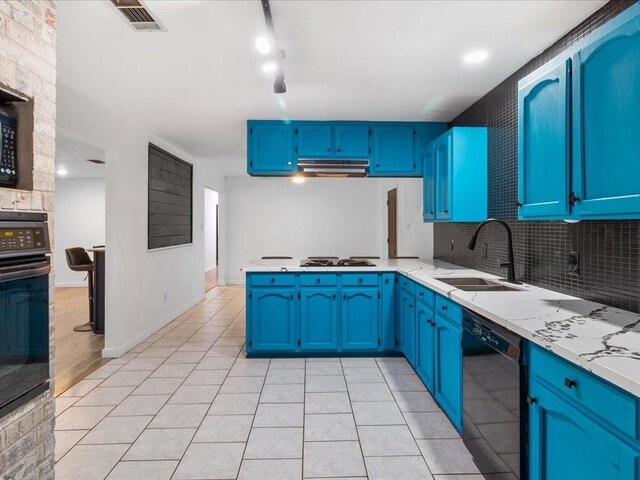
(266, 45)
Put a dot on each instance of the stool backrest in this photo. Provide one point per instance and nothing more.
(78, 259)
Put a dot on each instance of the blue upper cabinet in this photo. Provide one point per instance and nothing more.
(351, 141)
(455, 176)
(583, 165)
(270, 148)
(314, 140)
(393, 150)
(606, 116)
(543, 144)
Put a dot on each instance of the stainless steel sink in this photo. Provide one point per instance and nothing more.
(476, 284)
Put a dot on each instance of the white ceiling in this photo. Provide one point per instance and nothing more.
(196, 84)
(72, 156)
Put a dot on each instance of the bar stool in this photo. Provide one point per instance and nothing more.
(78, 260)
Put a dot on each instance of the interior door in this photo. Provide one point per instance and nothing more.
(392, 223)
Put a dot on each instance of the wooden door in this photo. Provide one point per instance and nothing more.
(392, 217)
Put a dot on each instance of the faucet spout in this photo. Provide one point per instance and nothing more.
(509, 264)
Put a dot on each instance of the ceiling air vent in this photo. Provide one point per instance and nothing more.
(138, 15)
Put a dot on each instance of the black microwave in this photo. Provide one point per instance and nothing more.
(8, 148)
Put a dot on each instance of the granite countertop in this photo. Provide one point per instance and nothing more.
(603, 340)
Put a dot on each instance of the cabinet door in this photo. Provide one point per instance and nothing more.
(566, 444)
(314, 140)
(543, 145)
(270, 149)
(408, 306)
(393, 150)
(425, 351)
(272, 314)
(359, 319)
(448, 367)
(606, 122)
(442, 152)
(429, 185)
(318, 319)
(351, 141)
(387, 321)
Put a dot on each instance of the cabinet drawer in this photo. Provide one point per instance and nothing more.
(360, 280)
(273, 279)
(615, 406)
(321, 280)
(425, 295)
(449, 309)
(408, 284)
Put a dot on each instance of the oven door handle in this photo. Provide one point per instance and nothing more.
(27, 270)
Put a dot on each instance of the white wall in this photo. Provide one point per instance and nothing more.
(144, 290)
(210, 228)
(79, 222)
(341, 217)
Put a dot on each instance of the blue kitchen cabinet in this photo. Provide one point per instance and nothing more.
(314, 140)
(543, 144)
(606, 121)
(455, 176)
(388, 312)
(319, 319)
(272, 316)
(564, 443)
(448, 369)
(393, 150)
(425, 353)
(359, 319)
(270, 148)
(351, 141)
(429, 185)
(408, 319)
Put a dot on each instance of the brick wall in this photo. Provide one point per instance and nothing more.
(28, 65)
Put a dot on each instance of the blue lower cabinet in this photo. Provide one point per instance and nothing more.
(565, 444)
(408, 309)
(425, 353)
(318, 319)
(272, 317)
(359, 319)
(448, 369)
(387, 321)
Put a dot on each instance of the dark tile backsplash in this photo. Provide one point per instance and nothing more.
(608, 251)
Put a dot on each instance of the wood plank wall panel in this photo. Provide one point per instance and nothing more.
(170, 200)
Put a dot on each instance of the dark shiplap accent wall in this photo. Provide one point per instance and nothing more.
(608, 250)
(170, 199)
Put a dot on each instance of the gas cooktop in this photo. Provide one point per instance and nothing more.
(334, 262)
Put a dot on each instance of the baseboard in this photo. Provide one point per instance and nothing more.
(208, 269)
(116, 352)
(70, 284)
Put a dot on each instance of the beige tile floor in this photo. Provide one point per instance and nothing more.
(187, 404)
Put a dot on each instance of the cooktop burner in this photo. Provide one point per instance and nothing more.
(332, 262)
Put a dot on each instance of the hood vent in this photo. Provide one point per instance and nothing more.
(138, 15)
(311, 167)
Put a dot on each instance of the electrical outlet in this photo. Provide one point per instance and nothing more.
(483, 250)
(452, 245)
(573, 263)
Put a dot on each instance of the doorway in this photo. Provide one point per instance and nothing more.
(211, 238)
(392, 222)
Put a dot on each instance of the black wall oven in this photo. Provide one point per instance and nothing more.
(24, 308)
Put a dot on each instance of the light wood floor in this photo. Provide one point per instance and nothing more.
(210, 279)
(77, 354)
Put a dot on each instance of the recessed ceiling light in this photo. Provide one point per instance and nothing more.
(263, 44)
(298, 179)
(61, 172)
(269, 67)
(476, 56)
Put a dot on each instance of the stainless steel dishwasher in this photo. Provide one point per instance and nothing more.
(494, 397)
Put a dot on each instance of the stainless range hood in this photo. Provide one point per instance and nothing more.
(322, 167)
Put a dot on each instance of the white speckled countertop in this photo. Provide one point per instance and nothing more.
(601, 339)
